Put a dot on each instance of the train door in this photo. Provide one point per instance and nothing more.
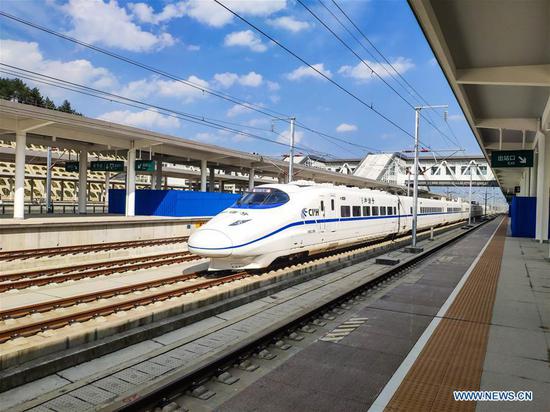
(331, 214)
(404, 212)
(322, 224)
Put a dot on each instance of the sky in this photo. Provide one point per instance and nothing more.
(202, 43)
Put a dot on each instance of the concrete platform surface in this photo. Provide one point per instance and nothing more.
(518, 350)
(349, 373)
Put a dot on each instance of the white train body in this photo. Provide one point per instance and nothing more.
(280, 220)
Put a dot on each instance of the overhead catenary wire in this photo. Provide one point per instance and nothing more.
(365, 63)
(409, 85)
(225, 96)
(78, 88)
(319, 72)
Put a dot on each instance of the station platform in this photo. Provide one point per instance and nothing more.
(476, 316)
(72, 230)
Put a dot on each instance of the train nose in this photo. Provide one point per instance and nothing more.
(209, 242)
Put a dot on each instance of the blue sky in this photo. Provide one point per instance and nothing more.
(199, 41)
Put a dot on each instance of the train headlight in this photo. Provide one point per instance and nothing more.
(239, 222)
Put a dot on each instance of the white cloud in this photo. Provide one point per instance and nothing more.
(284, 137)
(251, 79)
(289, 23)
(144, 88)
(106, 23)
(362, 73)
(238, 110)
(27, 55)
(346, 127)
(145, 13)
(306, 71)
(228, 79)
(212, 14)
(455, 117)
(148, 119)
(246, 38)
(273, 86)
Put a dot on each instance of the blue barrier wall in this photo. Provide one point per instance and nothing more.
(172, 202)
(523, 211)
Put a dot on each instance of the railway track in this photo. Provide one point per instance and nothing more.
(161, 394)
(31, 328)
(45, 276)
(58, 322)
(96, 247)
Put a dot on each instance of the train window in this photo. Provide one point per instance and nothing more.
(366, 210)
(382, 210)
(322, 206)
(375, 210)
(345, 211)
(332, 204)
(262, 198)
(356, 210)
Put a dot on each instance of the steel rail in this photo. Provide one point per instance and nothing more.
(21, 284)
(47, 306)
(59, 322)
(65, 250)
(147, 400)
(89, 269)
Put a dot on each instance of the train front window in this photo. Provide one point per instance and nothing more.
(262, 198)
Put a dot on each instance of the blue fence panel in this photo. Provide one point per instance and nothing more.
(172, 202)
(523, 211)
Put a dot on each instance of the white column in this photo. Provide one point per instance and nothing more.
(131, 182)
(211, 181)
(251, 179)
(82, 180)
(107, 186)
(158, 175)
(533, 182)
(543, 187)
(48, 180)
(19, 198)
(203, 175)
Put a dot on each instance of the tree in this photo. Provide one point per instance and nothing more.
(17, 90)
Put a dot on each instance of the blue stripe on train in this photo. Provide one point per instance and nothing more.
(310, 222)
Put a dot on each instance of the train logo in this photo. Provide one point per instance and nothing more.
(309, 212)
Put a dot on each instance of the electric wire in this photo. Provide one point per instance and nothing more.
(34, 76)
(260, 109)
(348, 47)
(410, 86)
(335, 83)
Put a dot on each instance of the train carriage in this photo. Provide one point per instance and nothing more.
(288, 220)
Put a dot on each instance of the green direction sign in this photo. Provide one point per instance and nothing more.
(145, 165)
(512, 158)
(71, 166)
(107, 166)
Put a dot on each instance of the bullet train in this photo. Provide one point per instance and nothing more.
(291, 220)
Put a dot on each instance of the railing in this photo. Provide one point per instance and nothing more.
(6, 209)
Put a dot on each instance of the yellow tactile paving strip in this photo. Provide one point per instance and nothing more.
(454, 355)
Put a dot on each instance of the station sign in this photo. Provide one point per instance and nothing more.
(107, 166)
(512, 158)
(145, 165)
(72, 166)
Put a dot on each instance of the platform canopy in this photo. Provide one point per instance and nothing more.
(496, 57)
(63, 130)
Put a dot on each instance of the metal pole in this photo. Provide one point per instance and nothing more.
(485, 205)
(49, 181)
(470, 197)
(408, 184)
(291, 162)
(415, 188)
